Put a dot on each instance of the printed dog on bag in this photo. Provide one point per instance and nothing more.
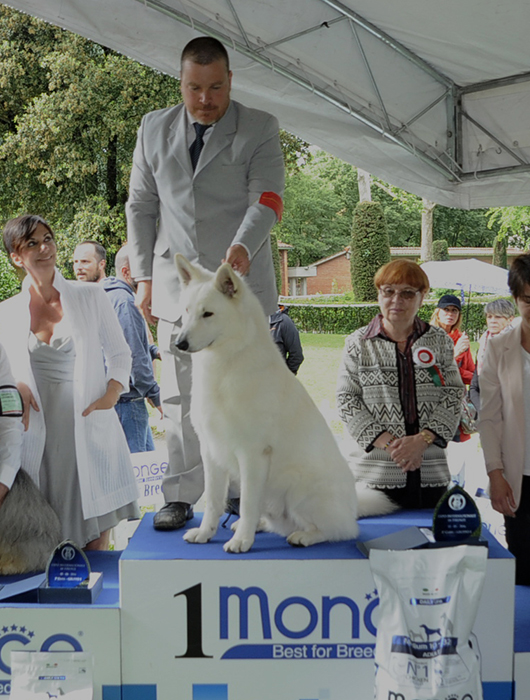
(29, 528)
(257, 425)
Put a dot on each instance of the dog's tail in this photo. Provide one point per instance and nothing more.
(373, 502)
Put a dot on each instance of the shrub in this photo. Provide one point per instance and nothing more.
(370, 248)
(440, 250)
(343, 319)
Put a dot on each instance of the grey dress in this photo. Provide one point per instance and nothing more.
(53, 368)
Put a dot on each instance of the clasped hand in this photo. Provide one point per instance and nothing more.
(407, 452)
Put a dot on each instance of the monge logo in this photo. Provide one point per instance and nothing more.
(293, 628)
(17, 638)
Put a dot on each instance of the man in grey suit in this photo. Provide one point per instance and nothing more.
(207, 182)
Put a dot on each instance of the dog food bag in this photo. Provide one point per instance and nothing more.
(39, 674)
(425, 649)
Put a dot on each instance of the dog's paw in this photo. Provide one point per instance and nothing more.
(233, 526)
(302, 538)
(197, 536)
(237, 546)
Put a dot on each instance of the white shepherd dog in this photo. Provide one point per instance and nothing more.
(257, 425)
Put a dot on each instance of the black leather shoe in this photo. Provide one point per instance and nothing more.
(173, 516)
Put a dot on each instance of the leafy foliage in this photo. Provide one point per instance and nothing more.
(9, 281)
(370, 248)
(439, 250)
(346, 318)
(69, 115)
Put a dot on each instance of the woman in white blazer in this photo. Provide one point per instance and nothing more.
(504, 423)
(69, 356)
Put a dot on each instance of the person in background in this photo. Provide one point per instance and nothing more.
(207, 181)
(504, 421)
(499, 317)
(131, 408)
(71, 362)
(89, 265)
(89, 261)
(286, 336)
(399, 393)
(448, 315)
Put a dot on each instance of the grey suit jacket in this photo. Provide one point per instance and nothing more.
(172, 210)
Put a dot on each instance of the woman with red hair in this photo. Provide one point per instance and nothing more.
(399, 393)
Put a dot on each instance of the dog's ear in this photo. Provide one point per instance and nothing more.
(226, 280)
(185, 269)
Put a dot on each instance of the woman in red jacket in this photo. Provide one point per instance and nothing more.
(448, 316)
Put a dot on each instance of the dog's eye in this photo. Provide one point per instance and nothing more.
(207, 314)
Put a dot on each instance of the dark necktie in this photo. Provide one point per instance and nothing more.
(197, 146)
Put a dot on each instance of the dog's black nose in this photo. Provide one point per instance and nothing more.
(182, 344)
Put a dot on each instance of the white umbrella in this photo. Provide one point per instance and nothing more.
(468, 275)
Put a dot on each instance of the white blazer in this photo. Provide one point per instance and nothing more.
(104, 466)
(501, 418)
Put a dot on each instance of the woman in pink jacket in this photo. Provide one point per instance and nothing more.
(504, 424)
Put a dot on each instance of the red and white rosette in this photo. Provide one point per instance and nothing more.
(424, 357)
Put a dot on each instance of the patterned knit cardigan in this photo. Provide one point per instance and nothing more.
(369, 403)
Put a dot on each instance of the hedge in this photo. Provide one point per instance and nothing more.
(343, 319)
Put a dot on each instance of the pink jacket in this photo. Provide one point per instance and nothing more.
(501, 418)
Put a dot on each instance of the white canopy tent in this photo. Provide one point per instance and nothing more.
(433, 97)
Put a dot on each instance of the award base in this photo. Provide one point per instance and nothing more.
(85, 593)
(414, 538)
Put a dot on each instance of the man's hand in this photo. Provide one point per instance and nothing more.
(237, 257)
(143, 301)
(158, 408)
(28, 401)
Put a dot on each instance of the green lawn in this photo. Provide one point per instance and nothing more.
(318, 373)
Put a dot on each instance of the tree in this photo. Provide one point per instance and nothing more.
(364, 179)
(512, 223)
(69, 115)
(500, 257)
(313, 221)
(370, 249)
(427, 229)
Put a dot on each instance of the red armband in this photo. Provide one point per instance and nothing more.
(274, 202)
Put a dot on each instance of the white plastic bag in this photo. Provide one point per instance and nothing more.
(425, 648)
(59, 674)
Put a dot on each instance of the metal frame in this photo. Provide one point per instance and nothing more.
(447, 160)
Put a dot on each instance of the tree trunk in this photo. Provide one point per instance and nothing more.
(364, 183)
(426, 229)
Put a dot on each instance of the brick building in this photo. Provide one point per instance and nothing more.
(331, 275)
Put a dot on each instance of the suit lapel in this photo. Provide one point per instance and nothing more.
(221, 137)
(178, 142)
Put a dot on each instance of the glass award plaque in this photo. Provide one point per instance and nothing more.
(456, 517)
(67, 567)
(69, 578)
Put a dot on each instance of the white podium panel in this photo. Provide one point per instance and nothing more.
(95, 628)
(277, 622)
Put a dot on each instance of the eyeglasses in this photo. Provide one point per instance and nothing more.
(406, 294)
